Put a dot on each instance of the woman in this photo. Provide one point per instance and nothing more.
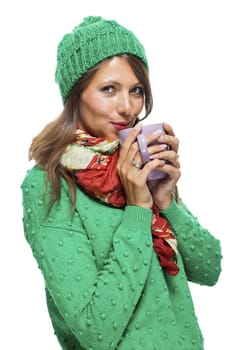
(116, 254)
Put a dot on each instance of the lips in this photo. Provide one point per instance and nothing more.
(121, 126)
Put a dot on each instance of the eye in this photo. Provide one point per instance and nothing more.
(137, 90)
(108, 89)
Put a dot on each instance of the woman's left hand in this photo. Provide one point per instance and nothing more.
(162, 190)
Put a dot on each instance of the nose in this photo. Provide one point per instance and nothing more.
(124, 105)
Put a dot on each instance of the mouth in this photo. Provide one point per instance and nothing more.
(121, 126)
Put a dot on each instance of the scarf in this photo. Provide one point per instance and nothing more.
(92, 162)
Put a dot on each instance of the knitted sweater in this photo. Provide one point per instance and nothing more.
(105, 288)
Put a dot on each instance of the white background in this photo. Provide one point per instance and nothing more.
(189, 47)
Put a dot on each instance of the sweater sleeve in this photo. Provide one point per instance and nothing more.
(95, 305)
(201, 251)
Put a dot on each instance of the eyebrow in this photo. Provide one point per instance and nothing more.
(108, 82)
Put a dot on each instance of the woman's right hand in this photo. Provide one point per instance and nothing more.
(133, 178)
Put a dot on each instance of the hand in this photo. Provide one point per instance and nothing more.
(133, 178)
(162, 190)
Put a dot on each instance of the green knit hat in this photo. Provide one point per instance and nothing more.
(90, 43)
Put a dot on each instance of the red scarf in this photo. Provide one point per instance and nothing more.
(92, 161)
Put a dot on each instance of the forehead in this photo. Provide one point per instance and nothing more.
(115, 68)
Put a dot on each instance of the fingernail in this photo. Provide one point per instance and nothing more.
(154, 156)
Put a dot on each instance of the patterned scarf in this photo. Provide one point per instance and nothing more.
(92, 161)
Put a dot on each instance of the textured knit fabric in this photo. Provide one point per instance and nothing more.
(104, 284)
(92, 41)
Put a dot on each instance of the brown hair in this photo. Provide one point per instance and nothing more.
(48, 146)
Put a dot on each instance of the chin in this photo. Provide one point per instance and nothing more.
(112, 137)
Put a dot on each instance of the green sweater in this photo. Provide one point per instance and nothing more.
(105, 288)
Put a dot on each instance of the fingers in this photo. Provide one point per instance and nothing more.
(130, 144)
(136, 173)
(170, 140)
(168, 129)
(173, 172)
(171, 166)
(130, 147)
(134, 181)
(170, 137)
(170, 156)
(163, 147)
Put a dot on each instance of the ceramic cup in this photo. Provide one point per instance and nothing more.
(141, 139)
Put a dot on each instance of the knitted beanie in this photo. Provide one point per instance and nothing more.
(90, 43)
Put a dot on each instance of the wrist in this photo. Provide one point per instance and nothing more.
(164, 203)
(140, 204)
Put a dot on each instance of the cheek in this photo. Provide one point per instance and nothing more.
(97, 106)
(139, 106)
(104, 106)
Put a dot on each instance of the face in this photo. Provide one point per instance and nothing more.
(112, 100)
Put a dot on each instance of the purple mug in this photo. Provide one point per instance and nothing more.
(146, 129)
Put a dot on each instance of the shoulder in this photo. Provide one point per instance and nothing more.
(35, 182)
(35, 178)
(36, 193)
